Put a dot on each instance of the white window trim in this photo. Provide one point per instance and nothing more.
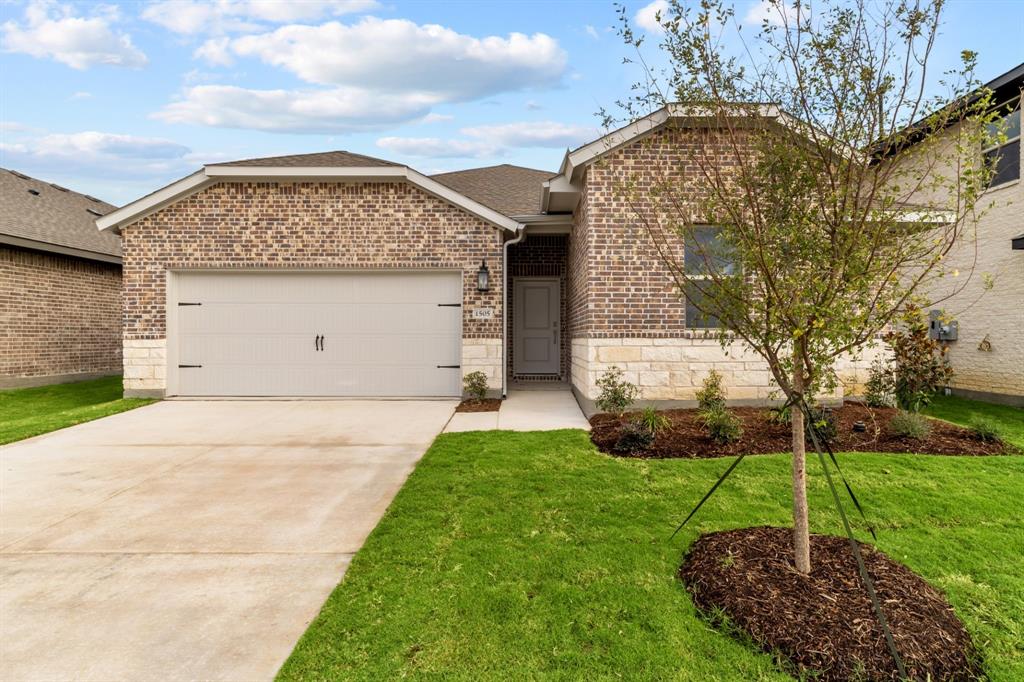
(1016, 112)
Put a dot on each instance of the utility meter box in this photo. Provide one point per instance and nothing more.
(939, 329)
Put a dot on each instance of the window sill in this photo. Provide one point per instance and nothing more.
(1005, 185)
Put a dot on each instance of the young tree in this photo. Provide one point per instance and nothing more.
(808, 211)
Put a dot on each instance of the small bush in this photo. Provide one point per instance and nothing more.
(986, 430)
(616, 394)
(723, 426)
(650, 419)
(634, 437)
(780, 415)
(910, 425)
(475, 384)
(921, 367)
(878, 391)
(712, 395)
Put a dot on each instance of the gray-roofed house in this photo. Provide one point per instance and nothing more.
(60, 285)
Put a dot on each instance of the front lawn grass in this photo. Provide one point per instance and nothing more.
(958, 410)
(533, 556)
(27, 412)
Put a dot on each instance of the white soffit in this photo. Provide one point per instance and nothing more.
(210, 174)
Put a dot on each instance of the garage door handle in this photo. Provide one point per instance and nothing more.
(316, 342)
(449, 366)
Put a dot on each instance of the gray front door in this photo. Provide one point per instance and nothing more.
(537, 343)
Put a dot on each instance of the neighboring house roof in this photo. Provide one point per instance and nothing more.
(335, 159)
(511, 190)
(328, 166)
(47, 217)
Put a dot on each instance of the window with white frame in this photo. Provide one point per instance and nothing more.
(704, 251)
(1004, 158)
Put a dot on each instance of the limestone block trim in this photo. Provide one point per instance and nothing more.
(483, 355)
(145, 367)
(672, 369)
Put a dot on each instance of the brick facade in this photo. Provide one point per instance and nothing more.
(308, 225)
(539, 256)
(625, 309)
(60, 316)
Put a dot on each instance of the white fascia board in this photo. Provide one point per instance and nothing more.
(155, 201)
(211, 174)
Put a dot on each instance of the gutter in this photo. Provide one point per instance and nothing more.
(504, 309)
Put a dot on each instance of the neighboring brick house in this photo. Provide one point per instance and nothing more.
(60, 285)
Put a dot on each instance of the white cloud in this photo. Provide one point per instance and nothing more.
(533, 105)
(437, 118)
(192, 17)
(533, 134)
(774, 12)
(491, 140)
(334, 110)
(107, 155)
(646, 17)
(81, 94)
(592, 32)
(436, 148)
(397, 55)
(375, 73)
(215, 51)
(53, 31)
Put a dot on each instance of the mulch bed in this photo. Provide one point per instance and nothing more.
(824, 621)
(485, 405)
(685, 437)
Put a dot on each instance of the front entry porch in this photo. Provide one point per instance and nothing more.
(538, 347)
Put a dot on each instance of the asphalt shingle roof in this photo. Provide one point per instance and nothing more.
(510, 190)
(44, 212)
(335, 159)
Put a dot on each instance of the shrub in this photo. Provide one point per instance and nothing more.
(878, 391)
(634, 437)
(616, 394)
(780, 415)
(650, 419)
(712, 395)
(986, 430)
(921, 367)
(723, 426)
(475, 384)
(910, 425)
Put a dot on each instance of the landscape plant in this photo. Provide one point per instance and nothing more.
(722, 426)
(910, 425)
(878, 390)
(826, 180)
(616, 395)
(920, 367)
(651, 420)
(475, 384)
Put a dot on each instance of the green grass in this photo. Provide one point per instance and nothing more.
(961, 411)
(27, 412)
(533, 556)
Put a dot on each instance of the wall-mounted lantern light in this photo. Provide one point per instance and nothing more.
(483, 278)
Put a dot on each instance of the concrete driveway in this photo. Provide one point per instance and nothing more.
(191, 540)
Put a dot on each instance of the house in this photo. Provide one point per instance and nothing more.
(986, 300)
(60, 285)
(337, 274)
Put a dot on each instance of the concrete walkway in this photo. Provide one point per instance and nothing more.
(525, 410)
(191, 540)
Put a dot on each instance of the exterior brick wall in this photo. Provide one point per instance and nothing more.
(59, 316)
(539, 256)
(306, 225)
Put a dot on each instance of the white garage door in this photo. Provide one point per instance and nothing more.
(372, 334)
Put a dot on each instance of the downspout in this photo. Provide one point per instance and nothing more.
(504, 309)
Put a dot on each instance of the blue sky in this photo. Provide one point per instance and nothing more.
(119, 99)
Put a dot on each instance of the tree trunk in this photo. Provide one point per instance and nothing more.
(801, 534)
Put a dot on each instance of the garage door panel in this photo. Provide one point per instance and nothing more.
(384, 334)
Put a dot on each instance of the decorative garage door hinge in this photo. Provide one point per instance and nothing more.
(449, 305)
(188, 366)
(179, 303)
(449, 366)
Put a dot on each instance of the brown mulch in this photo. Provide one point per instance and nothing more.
(685, 436)
(485, 405)
(824, 621)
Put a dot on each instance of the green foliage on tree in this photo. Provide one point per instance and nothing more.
(828, 178)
